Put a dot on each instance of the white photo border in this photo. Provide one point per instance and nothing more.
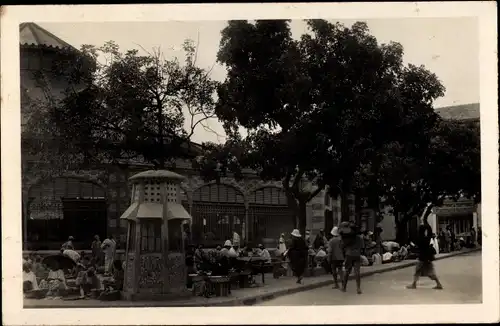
(15, 314)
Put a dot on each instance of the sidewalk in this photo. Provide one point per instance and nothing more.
(273, 288)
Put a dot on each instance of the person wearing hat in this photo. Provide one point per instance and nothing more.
(228, 250)
(426, 254)
(352, 250)
(336, 256)
(297, 253)
(68, 244)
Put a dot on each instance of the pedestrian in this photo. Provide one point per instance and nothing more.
(109, 247)
(453, 239)
(282, 244)
(352, 252)
(308, 238)
(447, 234)
(320, 240)
(68, 244)
(473, 237)
(336, 257)
(479, 236)
(442, 240)
(298, 254)
(236, 239)
(426, 256)
(97, 250)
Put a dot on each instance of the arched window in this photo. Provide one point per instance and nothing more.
(60, 207)
(269, 215)
(218, 193)
(218, 210)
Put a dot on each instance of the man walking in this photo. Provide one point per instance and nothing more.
(336, 256)
(352, 250)
(426, 254)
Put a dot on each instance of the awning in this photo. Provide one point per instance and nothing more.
(155, 210)
(150, 210)
(177, 211)
(130, 213)
(46, 215)
(46, 209)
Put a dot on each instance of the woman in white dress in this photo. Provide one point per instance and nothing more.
(435, 243)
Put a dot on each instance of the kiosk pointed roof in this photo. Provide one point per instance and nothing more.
(31, 34)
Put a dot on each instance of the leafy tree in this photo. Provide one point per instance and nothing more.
(446, 166)
(315, 109)
(125, 107)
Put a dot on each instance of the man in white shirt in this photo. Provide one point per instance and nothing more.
(68, 244)
(264, 253)
(72, 254)
(108, 246)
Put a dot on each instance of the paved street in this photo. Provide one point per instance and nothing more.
(461, 278)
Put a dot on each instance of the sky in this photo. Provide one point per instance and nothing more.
(449, 47)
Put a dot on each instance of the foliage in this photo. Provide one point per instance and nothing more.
(446, 166)
(317, 109)
(123, 107)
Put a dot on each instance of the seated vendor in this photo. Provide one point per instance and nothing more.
(29, 278)
(87, 281)
(56, 281)
(227, 246)
(264, 253)
(320, 255)
(38, 268)
(118, 276)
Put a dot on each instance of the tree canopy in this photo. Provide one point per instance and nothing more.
(317, 109)
(448, 166)
(126, 107)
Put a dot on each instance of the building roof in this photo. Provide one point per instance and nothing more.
(30, 34)
(460, 112)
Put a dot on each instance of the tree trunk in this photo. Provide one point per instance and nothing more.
(302, 218)
(401, 229)
(344, 207)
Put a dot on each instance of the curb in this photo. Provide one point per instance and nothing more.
(255, 299)
(270, 296)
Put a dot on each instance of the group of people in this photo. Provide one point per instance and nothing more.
(53, 280)
(347, 252)
(447, 240)
(197, 258)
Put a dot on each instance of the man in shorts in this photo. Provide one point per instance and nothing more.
(352, 251)
(336, 256)
(426, 255)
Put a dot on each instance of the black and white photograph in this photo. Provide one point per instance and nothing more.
(249, 162)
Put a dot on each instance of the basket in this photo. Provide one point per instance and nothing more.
(221, 285)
